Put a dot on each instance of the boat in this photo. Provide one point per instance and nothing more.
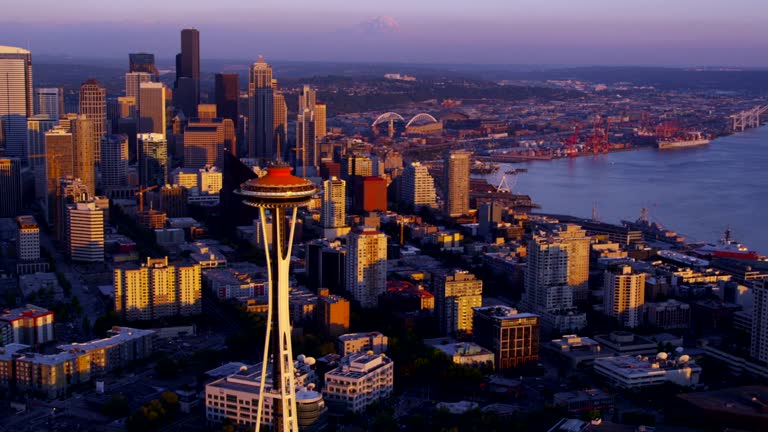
(676, 144)
(728, 248)
(692, 139)
(653, 230)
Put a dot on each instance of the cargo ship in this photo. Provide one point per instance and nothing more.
(690, 140)
(728, 248)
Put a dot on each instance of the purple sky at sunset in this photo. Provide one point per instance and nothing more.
(652, 32)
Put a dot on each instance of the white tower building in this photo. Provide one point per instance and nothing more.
(278, 192)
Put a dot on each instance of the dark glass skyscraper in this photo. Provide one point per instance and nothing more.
(187, 87)
(143, 62)
(261, 111)
(227, 92)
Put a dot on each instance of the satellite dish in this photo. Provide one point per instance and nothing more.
(679, 350)
(662, 356)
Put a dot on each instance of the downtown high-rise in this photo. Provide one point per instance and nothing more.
(261, 143)
(50, 101)
(418, 187)
(186, 92)
(366, 265)
(456, 181)
(93, 105)
(151, 108)
(558, 264)
(16, 103)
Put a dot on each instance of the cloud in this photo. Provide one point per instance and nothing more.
(381, 24)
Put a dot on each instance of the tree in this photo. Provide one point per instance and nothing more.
(116, 407)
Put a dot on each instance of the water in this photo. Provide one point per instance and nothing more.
(698, 191)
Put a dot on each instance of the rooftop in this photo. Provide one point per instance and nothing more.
(28, 311)
(503, 312)
(4, 49)
(120, 335)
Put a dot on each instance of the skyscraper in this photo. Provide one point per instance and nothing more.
(279, 192)
(558, 263)
(320, 125)
(367, 265)
(15, 99)
(133, 81)
(205, 142)
(280, 121)
(59, 162)
(261, 143)
(418, 186)
(187, 88)
(10, 185)
(69, 190)
(143, 62)
(82, 140)
(114, 161)
(456, 166)
(227, 94)
(306, 146)
(93, 105)
(307, 151)
(85, 232)
(50, 101)
(153, 159)
(37, 126)
(334, 212)
(624, 295)
(152, 108)
(456, 294)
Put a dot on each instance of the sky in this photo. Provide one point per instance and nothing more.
(563, 32)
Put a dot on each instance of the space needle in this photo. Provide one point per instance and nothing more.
(280, 192)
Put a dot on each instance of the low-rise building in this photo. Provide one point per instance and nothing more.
(352, 343)
(637, 371)
(577, 350)
(359, 381)
(51, 375)
(466, 353)
(122, 346)
(512, 336)
(670, 314)
(235, 398)
(580, 401)
(621, 343)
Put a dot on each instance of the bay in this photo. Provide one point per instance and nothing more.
(696, 191)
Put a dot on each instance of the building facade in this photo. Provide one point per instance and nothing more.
(158, 289)
(15, 99)
(359, 381)
(456, 295)
(85, 232)
(456, 172)
(366, 265)
(261, 111)
(10, 184)
(512, 336)
(418, 186)
(624, 296)
(93, 105)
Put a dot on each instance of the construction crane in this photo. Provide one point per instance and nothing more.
(571, 141)
(140, 194)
